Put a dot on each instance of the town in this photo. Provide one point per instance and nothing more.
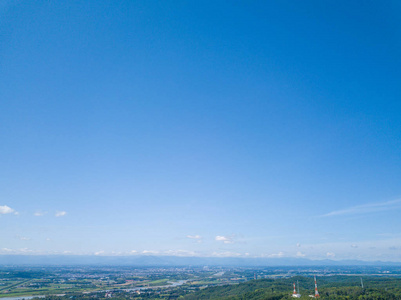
(173, 282)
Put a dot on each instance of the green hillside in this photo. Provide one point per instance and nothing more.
(333, 287)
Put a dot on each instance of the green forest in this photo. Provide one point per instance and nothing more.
(331, 287)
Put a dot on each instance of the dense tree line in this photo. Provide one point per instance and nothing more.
(333, 287)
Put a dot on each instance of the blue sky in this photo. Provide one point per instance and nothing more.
(212, 128)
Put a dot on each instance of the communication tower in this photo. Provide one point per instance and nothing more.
(295, 294)
(316, 292)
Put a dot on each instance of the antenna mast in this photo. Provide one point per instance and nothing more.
(316, 292)
(295, 294)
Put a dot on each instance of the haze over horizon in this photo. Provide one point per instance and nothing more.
(212, 129)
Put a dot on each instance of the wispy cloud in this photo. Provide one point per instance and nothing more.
(60, 213)
(225, 254)
(6, 210)
(6, 250)
(366, 208)
(224, 239)
(150, 252)
(195, 237)
(179, 253)
(39, 213)
(26, 250)
(277, 255)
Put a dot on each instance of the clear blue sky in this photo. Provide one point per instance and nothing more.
(209, 128)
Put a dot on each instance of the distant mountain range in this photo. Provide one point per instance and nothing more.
(169, 261)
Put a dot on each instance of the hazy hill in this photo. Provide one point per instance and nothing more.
(150, 260)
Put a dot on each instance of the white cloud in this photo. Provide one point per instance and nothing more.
(60, 213)
(17, 251)
(300, 254)
(224, 239)
(226, 254)
(196, 237)
(150, 252)
(24, 238)
(367, 250)
(180, 253)
(330, 254)
(280, 254)
(366, 208)
(99, 252)
(6, 210)
(39, 213)
(26, 250)
(298, 245)
(6, 250)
